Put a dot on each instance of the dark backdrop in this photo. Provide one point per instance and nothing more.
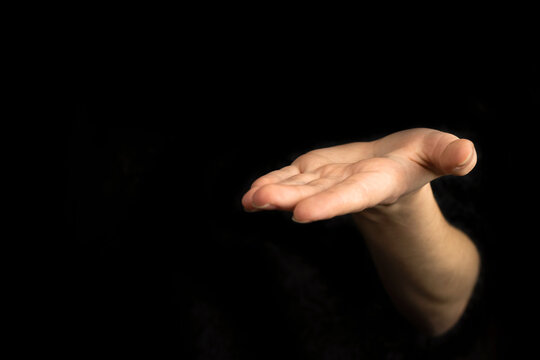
(167, 137)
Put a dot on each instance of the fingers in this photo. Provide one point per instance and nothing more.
(448, 154)
(459, 157)
(270, 178)
(319, 185)
(352, 195)
(287, 194)
(276, 176)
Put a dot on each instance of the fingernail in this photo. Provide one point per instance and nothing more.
(464, 162)
(299, 222)
(265, 207)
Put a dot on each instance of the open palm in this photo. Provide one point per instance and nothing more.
(349, 178)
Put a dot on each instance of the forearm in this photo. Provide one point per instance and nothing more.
(428, 267)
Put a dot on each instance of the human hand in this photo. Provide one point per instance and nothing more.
(350, 178)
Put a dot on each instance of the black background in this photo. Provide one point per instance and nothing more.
(168, 132)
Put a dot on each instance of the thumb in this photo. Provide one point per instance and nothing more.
(458, 157)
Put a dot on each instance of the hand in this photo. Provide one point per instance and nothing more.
(350, 178)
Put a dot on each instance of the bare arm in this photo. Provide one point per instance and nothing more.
(428, 267)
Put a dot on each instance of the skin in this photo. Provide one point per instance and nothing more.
(428, 267)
